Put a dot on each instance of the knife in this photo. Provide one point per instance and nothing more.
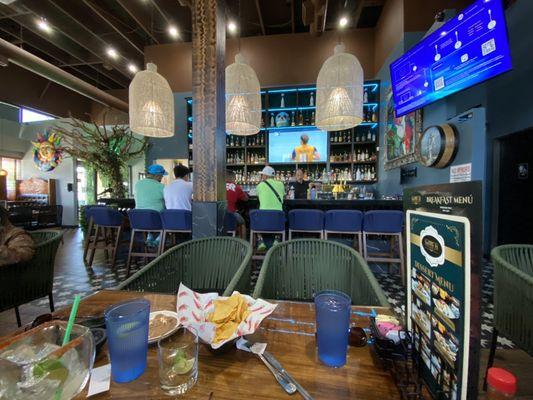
(275, 363)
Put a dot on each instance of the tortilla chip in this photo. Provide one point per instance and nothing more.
(227, 316)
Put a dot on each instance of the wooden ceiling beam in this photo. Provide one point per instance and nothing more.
(293, 21)
(135, 11)
(260, 14)
(357, 13)
(107, 19)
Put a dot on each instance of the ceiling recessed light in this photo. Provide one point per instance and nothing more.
(343, 22)
(111, 52)
(232, 27)
(43, 25)
(133, 68)
(173, 32)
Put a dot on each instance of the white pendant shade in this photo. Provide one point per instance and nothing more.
(243, 99)
(151, 104)
(339, 92)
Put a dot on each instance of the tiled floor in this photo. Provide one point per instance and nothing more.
(72, 277)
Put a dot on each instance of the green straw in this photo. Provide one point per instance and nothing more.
(71, 318)
(66, 338)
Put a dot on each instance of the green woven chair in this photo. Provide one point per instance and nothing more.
(297, 269)
(24, 282)
(220, 264)
(513, 296)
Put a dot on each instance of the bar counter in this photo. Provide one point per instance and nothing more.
(362, 205)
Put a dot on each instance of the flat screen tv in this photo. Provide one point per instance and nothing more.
(468, 49)
(309, 145)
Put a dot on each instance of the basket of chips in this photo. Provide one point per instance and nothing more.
(219, 320)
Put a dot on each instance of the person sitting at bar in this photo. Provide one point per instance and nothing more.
(16, 245)
(178, 194)
(305, 152)
(299, 186)
(234, 193)
(148, 192)
(270, 193)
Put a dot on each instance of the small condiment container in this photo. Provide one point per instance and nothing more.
(501, 384)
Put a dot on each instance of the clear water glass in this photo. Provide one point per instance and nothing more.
(127, 338)
(332, 326)
(178, 361)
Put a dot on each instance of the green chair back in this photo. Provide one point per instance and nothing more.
(298, 269)
(219, 264)
(513, 293)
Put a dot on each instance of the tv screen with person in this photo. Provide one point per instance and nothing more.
(299, 146)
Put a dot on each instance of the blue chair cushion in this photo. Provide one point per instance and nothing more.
(306, 220)
(145, 219)
(343, 220)
(230, 222)
(105, 216)
(267, 220)
(384, 221)
(177, 220)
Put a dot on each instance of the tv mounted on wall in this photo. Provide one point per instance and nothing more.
(468, 49)
(308, 145)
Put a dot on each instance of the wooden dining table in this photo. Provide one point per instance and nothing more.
(290, 334)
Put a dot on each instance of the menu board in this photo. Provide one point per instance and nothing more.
(468, 49)
(438, 298)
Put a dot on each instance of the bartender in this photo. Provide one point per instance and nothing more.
(299, 185)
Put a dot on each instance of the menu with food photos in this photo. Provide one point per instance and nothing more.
(438, 299)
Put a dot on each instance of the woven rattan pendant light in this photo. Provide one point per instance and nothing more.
(339, 92)
(243, 99)
(151, 104)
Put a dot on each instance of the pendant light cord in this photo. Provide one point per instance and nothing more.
(240, 26)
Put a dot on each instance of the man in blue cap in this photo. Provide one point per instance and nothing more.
(149, 191)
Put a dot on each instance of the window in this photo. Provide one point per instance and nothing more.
(12, 167)
(27, 115)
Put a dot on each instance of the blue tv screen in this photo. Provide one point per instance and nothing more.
(468, 49)
(297, 146)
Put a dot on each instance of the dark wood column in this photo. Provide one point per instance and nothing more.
(209, 137)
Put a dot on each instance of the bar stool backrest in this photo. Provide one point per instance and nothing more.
(145, 219)
(343, 220)
(267, 220)
(230, 222)
(383, 221)
(106, 216)
(306, 220)
(177, 220)
(89, 210)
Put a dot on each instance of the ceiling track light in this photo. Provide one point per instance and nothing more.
(343, 22)
(232, 27)
(173, 32)
(132, 68)
(43, 25)
(111, 52)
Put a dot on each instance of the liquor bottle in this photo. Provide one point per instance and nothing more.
(331, 137)
(293, 122)
(369, 136)
(311, 100)
(374, 136)
(282, 104)
(313, 118)
(306, 119)
(374, 117)
(272, 119)
(365, 96)
(300, 119)
(366, 155)
(357, 137)
(357, 175)
(262, 120)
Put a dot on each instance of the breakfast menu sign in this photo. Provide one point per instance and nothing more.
(438, 253)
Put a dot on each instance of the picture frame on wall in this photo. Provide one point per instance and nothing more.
(401, 135)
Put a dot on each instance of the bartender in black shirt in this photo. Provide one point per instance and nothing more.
(300, 186)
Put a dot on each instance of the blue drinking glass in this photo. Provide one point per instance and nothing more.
(332, 326)
(127, 338)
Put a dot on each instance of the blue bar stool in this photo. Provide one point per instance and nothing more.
(89, 233)
(387, 223)
(175, 221)
(144, 221)
(230, 224)
(266, 222)
(306, 221)
(344, 222)
(107, 223)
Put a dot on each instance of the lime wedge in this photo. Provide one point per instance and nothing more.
(182, 364)
(51, 369)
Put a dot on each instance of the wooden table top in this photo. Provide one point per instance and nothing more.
(289, 332)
